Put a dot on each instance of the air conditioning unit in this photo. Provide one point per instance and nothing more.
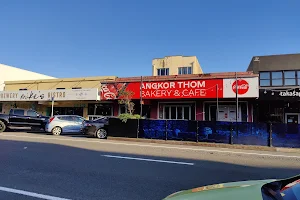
(256, 59)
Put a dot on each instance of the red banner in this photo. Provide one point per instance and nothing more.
(166, 89)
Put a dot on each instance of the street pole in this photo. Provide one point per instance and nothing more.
(236, 96)
(52, 107)
(141, 97)
(217, 88)
(237, 104)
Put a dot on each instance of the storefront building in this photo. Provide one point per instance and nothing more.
(279, 80)
(193, 97)
(9, 73)
(76, 96)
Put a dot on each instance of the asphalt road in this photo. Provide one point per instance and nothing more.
(71, 167)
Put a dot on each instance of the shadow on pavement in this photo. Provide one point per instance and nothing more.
(78, 173)
(42, 132)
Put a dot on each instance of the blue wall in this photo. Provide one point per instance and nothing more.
(245, 133)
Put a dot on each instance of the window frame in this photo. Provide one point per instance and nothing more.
(273, 79)
(284, 79)
(294, 78)
(185, 70)
(159, 71)
(265, 79)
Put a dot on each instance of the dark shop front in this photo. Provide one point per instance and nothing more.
(279, 106)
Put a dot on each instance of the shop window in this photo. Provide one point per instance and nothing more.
(185, 70)
(163, 72)
(122, 109)
(68, 111)
(298, 77)
(105, 109)
(0, 107)
(277, 79)
(177, 112)
(264, 79)
(289, 78)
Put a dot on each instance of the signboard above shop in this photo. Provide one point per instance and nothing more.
(185, 89)
(47, 95)
(280, 94)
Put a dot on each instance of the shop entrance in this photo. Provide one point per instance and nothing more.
(228, 113)
(292, 123)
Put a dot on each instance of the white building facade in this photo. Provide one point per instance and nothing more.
(8, 73)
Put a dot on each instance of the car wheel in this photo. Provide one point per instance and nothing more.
(56, 130)
(101, 133)
(2, 126)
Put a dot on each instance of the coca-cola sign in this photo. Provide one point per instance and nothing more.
(110, 91)
(240, 86)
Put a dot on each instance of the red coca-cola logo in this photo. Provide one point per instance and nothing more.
(108, 92)
(243, 86)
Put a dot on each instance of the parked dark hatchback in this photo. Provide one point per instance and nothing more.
(97, 128)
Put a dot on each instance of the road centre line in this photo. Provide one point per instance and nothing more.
(154, 146)
(30, 194)
(149, 160)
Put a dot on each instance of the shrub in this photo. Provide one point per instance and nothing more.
(125, 116)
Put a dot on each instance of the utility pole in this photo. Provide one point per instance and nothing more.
(141, 97)
(217, 94)
(52, 106)
(237, 99)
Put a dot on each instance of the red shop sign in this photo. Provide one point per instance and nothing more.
(243, 86)
(167, 89)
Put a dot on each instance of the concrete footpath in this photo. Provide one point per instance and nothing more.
(205, 144)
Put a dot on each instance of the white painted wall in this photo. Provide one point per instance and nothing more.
(8, 73)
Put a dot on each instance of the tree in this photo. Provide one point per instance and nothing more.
(125, 97)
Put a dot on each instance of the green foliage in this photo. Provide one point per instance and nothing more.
(125, 116)
(125, 98)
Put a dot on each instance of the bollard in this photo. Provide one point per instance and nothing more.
(138, 129)
(231, 133)
(270, 143)
(166, 130)
(197, 132)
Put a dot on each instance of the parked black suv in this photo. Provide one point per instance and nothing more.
(22, 118)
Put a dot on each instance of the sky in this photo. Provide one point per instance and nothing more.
(79, 38)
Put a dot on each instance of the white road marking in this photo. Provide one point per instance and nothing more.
(149, 160)
(153, 146)
(30, 194)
